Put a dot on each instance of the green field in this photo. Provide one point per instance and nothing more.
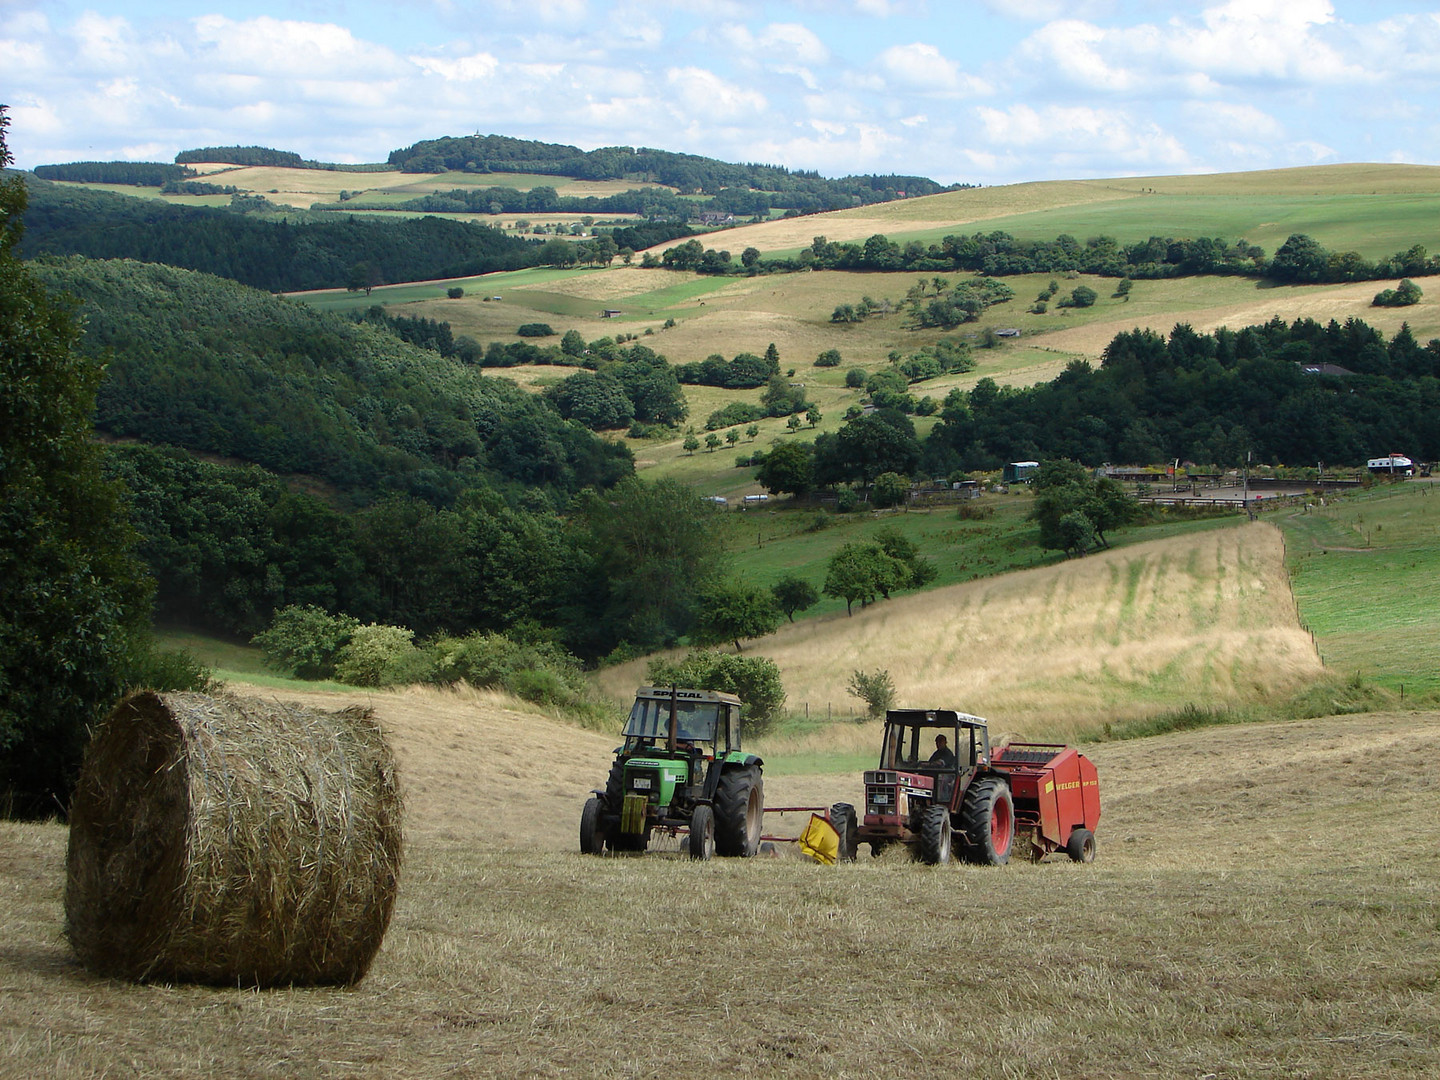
(1366, 576)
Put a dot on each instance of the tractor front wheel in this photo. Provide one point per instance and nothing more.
(935, 836)
(592, 834)
(1081, 846)
(739, 812)
(702, 833)
(842, 819)
(988, 817)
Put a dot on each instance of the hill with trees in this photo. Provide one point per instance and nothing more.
(203, 363)
(280, 255)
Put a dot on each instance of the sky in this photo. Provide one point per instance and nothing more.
(967, 91)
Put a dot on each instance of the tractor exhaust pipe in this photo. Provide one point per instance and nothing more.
(674, 734)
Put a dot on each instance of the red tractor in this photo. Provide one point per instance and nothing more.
(939, 785)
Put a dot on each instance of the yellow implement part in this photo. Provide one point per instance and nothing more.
(632, 814)
(820, 841)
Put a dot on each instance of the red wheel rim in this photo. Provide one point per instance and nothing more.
(1000, 826)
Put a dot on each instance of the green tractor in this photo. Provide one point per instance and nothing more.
(681, 767)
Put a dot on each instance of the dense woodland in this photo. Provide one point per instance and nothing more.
(1211, 399)
(315, 251)
(218, 368)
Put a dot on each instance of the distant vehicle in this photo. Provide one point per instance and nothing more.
(1394, 464)
(719, 500)
(1017, 472)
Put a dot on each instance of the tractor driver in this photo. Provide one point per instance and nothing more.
(943, 756)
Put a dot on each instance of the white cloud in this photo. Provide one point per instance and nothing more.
(476, 68)
(921, 66)
(283, 48)
(702, 93)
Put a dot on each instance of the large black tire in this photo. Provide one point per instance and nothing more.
(1081, 846)
(988, 817)
(842, 819)
(592, 832)
(701, 842)
(615, 787)
(739, 811)
(935, 836)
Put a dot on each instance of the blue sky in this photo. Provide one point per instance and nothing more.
(984, 91)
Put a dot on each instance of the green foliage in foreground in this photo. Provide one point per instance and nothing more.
(73, 596)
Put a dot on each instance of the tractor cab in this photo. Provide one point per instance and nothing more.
(704, 720)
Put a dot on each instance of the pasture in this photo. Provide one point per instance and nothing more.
(1366, 574)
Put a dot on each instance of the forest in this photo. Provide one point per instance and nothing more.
(218, 368)
(314, 251)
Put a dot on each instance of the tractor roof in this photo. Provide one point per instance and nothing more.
(933, 718)
(662, 693)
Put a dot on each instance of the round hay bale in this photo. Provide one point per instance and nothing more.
(231, 840)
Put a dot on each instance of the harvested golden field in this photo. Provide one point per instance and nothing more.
(1264, 904)
(1319, 302)
(1058, 651)
(949, 210)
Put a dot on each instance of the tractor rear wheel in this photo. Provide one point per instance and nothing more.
(1081, 846)
(592, 834)
(739, 811)
(702, 833)
(935, 836)
(988, 818)
(842, 819)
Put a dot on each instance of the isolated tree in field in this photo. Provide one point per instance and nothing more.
(73, 597)
(730, 611)
(794, 594)
(752, 431)
(732, 436)
(455, 292)
(712, 442)
(828, 358)
(691, 444)
(749, 257)
(859, 571)
(813, 416)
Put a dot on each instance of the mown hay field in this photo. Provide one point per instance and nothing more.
(1264, 904)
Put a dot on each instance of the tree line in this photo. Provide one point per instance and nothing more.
(1300, 260)
(688, 173)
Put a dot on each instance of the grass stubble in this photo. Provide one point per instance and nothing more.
(1264, 904)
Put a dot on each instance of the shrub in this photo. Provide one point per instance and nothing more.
(754, 679)
(828, 358)
(536, 329)
(542, 673)
(890, 489)
(455, 292)
(856, 378)
(378, 655)
(305, 640)
(876, 689)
